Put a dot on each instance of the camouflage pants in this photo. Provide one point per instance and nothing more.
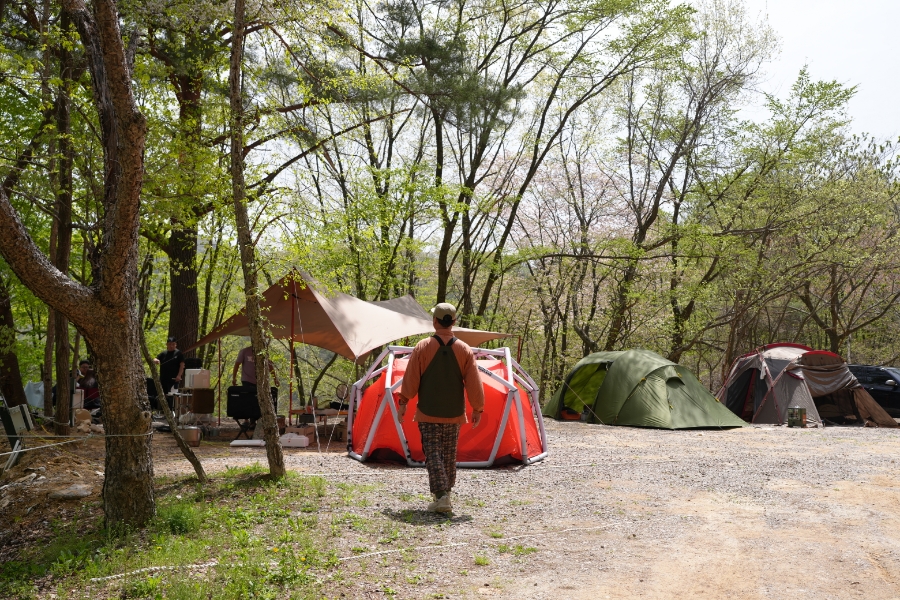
(439, 444)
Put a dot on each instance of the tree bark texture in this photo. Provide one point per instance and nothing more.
(64, 231)
(248, 251)
(184, 310)
(105, 313)
(10, 375)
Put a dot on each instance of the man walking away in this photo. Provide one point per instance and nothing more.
(442, 371)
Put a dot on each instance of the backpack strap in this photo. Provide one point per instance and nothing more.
(441, 342)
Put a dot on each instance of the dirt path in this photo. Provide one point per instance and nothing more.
(761, 512)
(621, 513)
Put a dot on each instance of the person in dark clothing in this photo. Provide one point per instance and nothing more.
(443, 373)
(83, 367)
(91, 388)
(171, 367)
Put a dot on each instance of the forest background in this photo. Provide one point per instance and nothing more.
(575, 173)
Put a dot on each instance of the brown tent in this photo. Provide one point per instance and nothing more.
(348, 326)
(763, 384)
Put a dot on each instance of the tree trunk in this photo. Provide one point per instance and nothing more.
(184, 310)
(128, 482)
(47, 97)
(64, 230)
(47, 366)
(10, 375)
(248, 251)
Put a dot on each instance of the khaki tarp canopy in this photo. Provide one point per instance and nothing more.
(295, 309)
(407, 305)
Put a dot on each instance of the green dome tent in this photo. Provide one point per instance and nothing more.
(639, 388)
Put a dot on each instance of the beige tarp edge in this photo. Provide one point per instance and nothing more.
(338, 322)
(407, 305)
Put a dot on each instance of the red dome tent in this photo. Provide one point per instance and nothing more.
(511, 429)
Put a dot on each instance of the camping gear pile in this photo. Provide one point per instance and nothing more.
(764, 384)
(511, 429)
(638, 388)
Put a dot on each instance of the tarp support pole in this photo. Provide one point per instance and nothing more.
(219, 344)
(291, 361)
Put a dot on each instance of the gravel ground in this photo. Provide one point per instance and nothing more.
(617, 512)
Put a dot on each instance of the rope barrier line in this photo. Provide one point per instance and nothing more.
(154, 569)
(71, 441)
(37, 448)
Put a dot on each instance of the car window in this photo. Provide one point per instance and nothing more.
(861, 373)
(894, 374)
(880, 376)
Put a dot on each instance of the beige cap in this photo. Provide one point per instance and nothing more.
(445, 313)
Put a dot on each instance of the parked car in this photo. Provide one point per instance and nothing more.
(883, 383)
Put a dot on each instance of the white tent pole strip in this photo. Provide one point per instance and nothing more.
(384, 399)
(522, 432)
(523, 435)
(390, 373)
(371, 372)
(374, 374)
(534, 395)
(399, 350)
(537, 458)
(535, 411)
(523, 383)
(508, 361)
(356, 399)
(389, 397)
(525, 375)
(499, 352)
(497, 378)
(510, 389)
(501, 429)
(375, 421)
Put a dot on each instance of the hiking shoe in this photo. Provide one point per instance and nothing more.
(441, 505)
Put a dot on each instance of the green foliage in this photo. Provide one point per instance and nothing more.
(179, 518)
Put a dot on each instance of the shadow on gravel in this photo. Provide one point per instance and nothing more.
(423, 517)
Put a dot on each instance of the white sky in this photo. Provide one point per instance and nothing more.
(854, 42)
